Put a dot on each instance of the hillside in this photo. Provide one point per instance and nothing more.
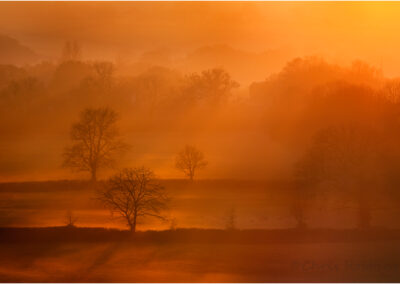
(14, 52)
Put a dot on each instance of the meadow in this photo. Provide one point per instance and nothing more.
(36, 246)
(198, 204)
(213, 260)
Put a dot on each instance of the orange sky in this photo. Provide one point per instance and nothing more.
(340, 31)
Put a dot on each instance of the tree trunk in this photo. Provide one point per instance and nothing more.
(133, 228)
(301, 223)
(299, 214)
(364, 217)
(133, 225)
(93, 175)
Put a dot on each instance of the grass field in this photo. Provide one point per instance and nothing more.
(202, 204)
(271, 254)
(191, 262)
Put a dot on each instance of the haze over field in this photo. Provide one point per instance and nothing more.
(199, 141)
(263, 91)
(161, 44)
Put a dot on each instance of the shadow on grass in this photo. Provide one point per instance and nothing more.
(192, 235)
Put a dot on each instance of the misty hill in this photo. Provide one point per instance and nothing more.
(13, 52)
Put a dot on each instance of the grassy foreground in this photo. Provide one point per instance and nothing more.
(78, 234)
(62, 254)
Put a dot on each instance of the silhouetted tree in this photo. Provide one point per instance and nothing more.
(173, 223)
(134, 194)
(189, 160)
(391, 90)
(211, 87)
(69, 75)
(104, 72)
(345, 159)
(156, 89)
(95, 141)
(298, 209)
(70, 219)
(231, 220)
(71, 51)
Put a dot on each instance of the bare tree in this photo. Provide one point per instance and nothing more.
(104, 72)
(308, 173)
(133, 194)
(71, 51)
(95, 141)
(345, 159)
(70, 219)
(231, 220)
(189, 160)
(391, 90)
(212, 87)
(298, 209)
(173, 224)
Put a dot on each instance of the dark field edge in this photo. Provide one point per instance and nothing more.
(209, 236)
(78, 185)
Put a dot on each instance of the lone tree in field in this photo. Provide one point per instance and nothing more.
(346, 160)
(95, 141)
(70, 219)
(133, 194)
(189, 160)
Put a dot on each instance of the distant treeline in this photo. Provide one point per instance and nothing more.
(333, 129)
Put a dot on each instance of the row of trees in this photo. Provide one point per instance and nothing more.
(97, 143)
(352, 157)
(132, 193)
(308, 98)
(342, 125)
(345, 160)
